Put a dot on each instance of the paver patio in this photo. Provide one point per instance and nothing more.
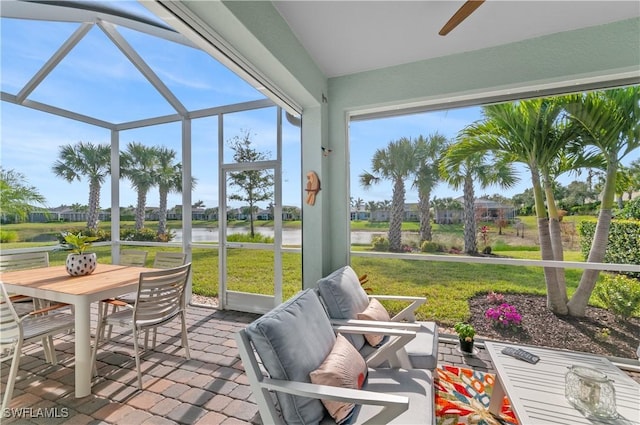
(211, 388)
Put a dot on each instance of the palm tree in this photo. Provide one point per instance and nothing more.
(465, 169)
(525, 132)
(138, 164)
(429, 152)
(395, 163)
(17, 199)
(168, 178)
(85, 159)
(610, 122)
(372, 207)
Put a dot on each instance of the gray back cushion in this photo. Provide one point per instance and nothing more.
(344, 298)
(292, 340)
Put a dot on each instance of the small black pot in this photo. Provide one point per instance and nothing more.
(466, 346)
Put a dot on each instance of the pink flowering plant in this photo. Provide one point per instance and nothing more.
(495, 298)
(504, 316)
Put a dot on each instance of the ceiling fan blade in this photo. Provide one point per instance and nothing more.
(463, 13)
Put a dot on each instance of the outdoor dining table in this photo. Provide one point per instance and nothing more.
(55, 284)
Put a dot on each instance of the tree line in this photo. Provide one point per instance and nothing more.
(145, 167)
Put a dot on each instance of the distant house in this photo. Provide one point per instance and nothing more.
(411, 213)
(447, 216)
(64, 213)
(485, 210)
(359, 214)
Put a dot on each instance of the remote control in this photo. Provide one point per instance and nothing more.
(521, 354)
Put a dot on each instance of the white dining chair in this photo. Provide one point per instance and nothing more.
(15, 331)
(167, 260)
(162, 260)
(23, 304)
(28, 260)
(133, 257)
(160, 298)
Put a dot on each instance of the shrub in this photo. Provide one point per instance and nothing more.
(8, 236)
(430, 246)
(246, 237)
(622, 247)
(145, 235)
(99, 235)
(631, 210)
(380, 243)
(620, 294)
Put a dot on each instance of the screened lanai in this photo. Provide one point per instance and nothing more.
(117, 70)
(330, 63)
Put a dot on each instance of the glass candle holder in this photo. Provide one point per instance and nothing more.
(591, 391)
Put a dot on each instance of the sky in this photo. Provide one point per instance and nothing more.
(97, 80)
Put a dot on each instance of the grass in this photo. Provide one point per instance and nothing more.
(447, 286)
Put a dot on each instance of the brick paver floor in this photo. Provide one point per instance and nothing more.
(208, 389)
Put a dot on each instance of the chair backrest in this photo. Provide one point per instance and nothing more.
(169, 260)
(292, 340)
(160, 295)
(29, 260)
(133, 257)
(10, 329)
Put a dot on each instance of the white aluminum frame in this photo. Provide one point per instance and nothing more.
(243, 301)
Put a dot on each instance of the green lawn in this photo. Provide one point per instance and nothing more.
(446, 285)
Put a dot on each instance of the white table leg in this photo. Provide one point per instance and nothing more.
(83, 349)
(497, 395)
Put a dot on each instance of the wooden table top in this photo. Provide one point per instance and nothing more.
(56, 278)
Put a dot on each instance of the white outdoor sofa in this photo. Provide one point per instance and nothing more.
(281, 349)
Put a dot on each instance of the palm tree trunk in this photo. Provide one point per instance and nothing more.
(470, 241)
(162, 219)
(142, 201)
(94, 205)
(555, 233)
(555, 300)
(425, 219)
(395, 221)
(578, 303)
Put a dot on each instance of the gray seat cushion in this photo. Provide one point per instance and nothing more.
(423, 349)
(292, 340)
(344, 298)
(416, 384)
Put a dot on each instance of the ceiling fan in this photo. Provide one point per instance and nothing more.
(463, 13)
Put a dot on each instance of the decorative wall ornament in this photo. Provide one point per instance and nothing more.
(313, 187)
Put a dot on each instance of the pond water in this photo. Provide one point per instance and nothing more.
(289, 236)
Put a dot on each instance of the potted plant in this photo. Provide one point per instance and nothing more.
(79, 262)
(465, 332)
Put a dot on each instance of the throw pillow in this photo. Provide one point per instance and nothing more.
(343, 367)
(374, 311)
